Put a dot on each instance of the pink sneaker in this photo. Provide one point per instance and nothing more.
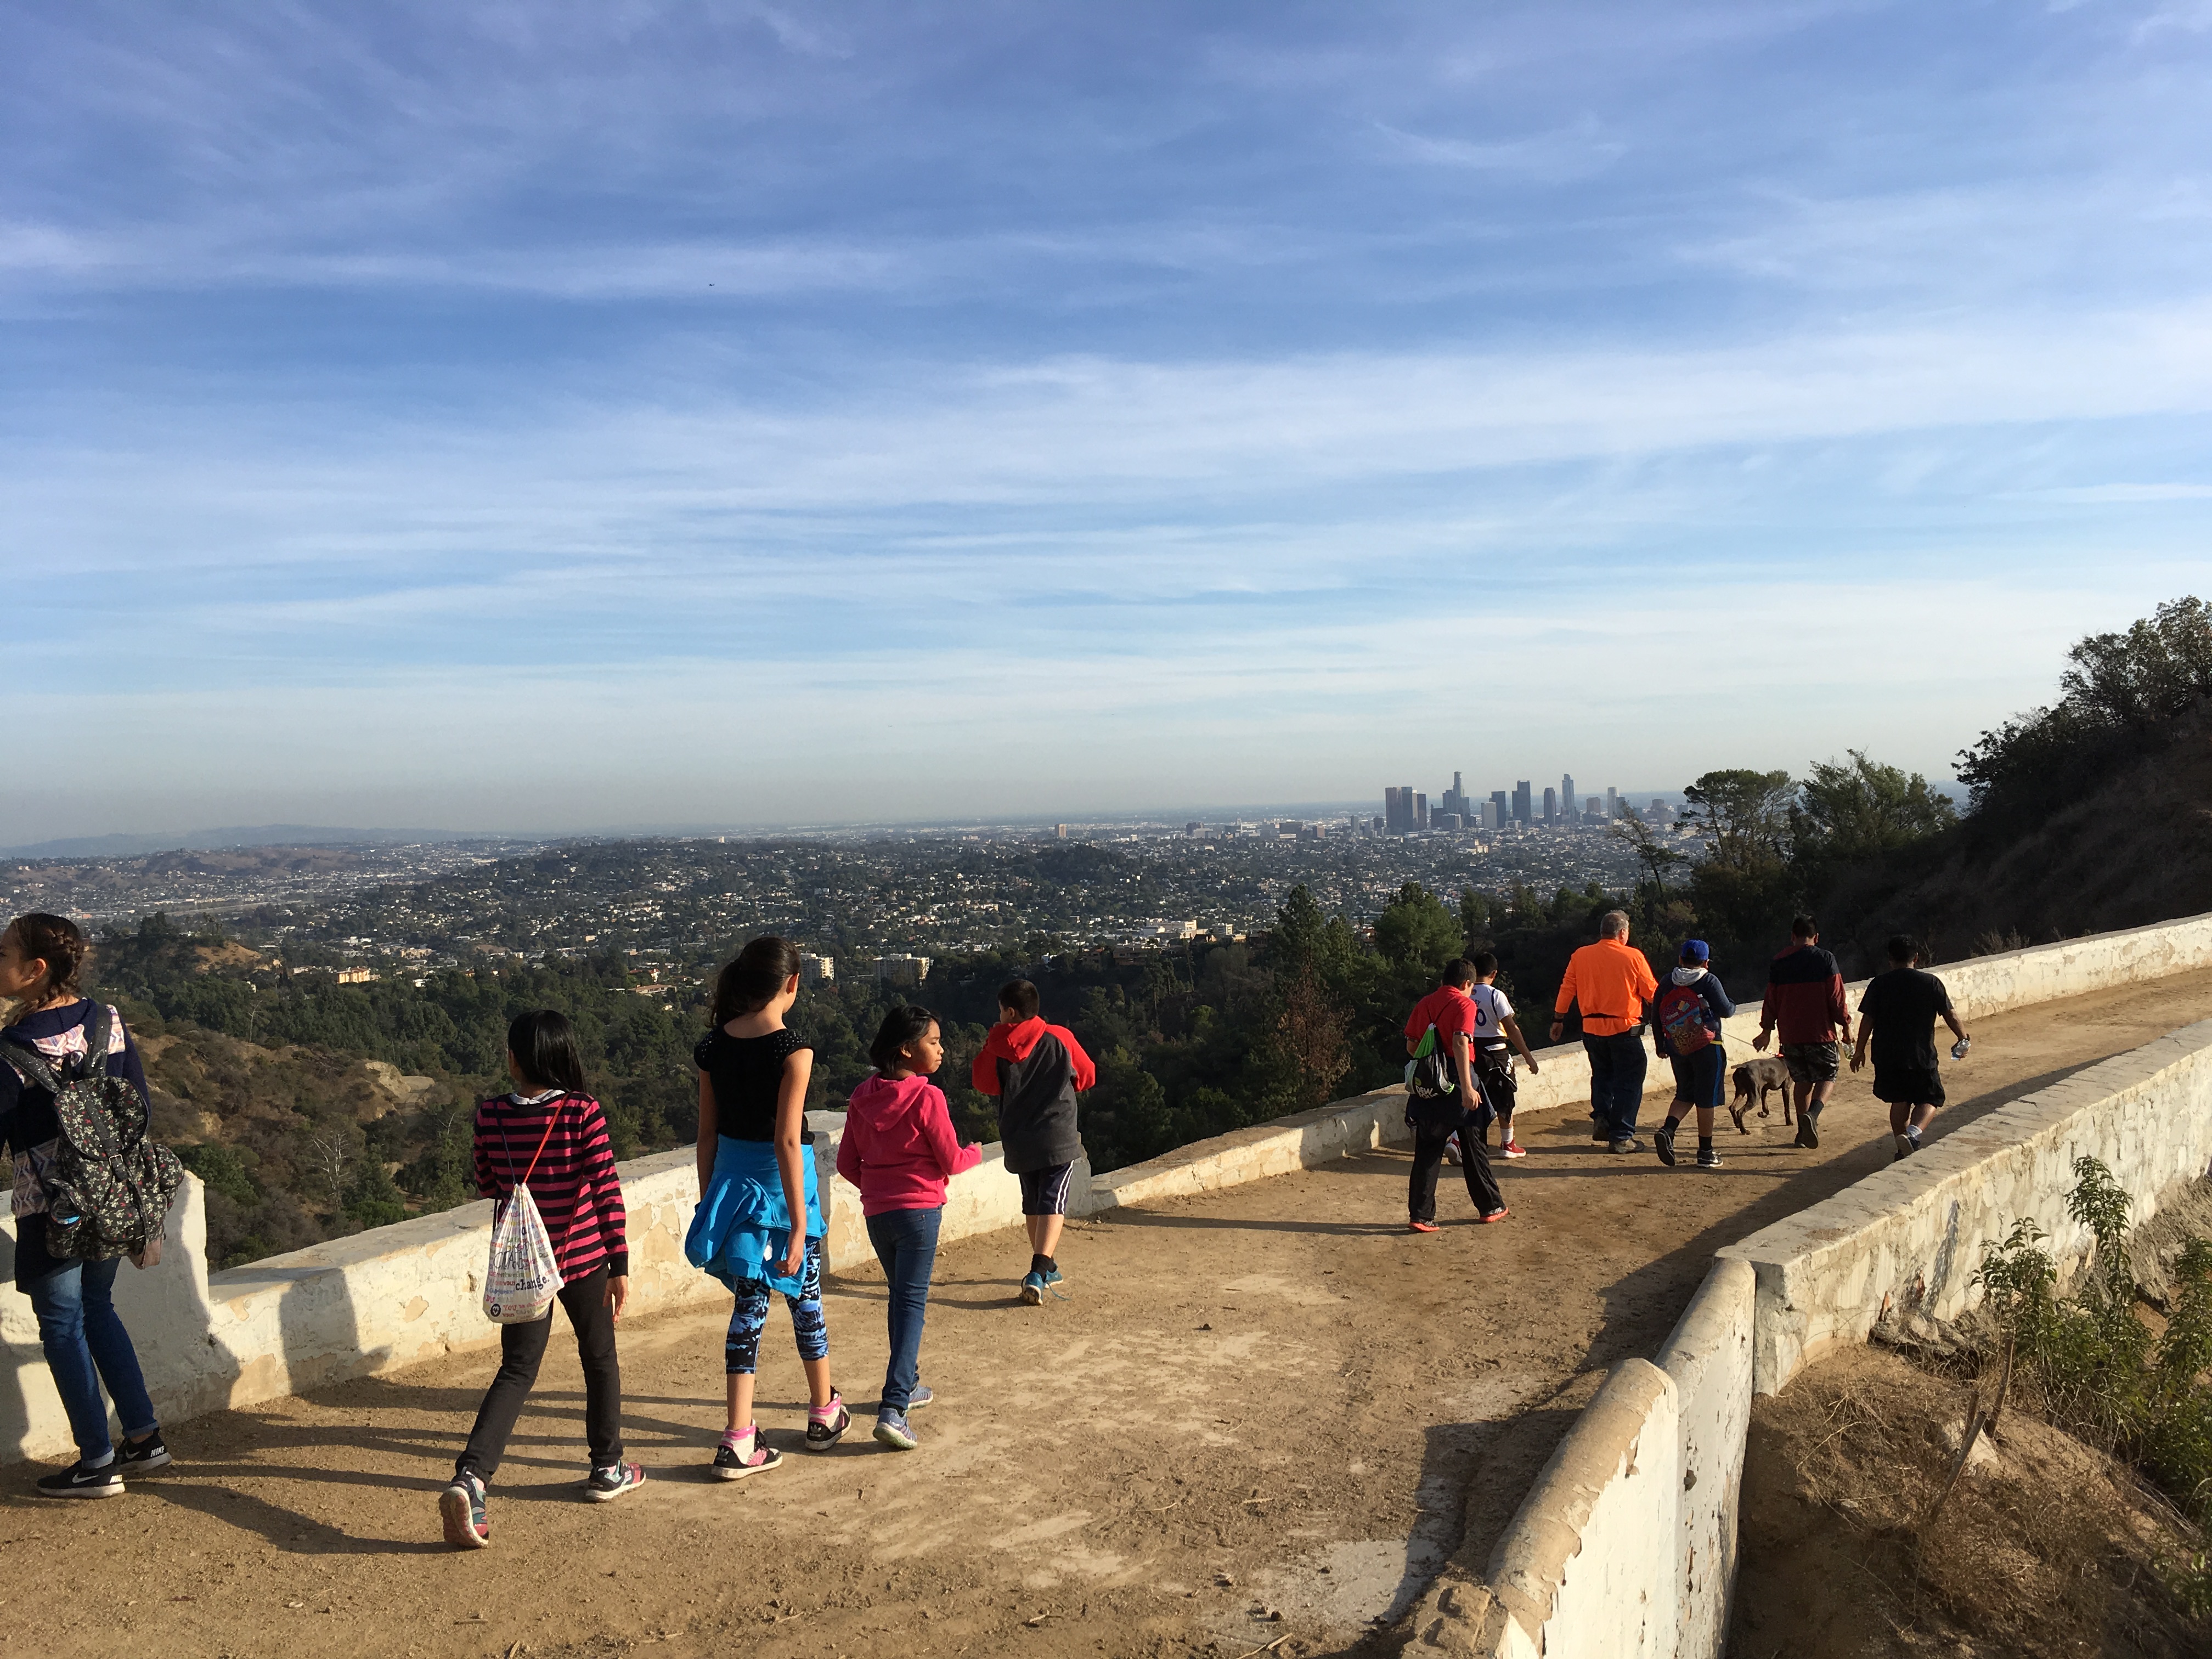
(1420, 1226)
(1514, 1149)
(1496, 1215)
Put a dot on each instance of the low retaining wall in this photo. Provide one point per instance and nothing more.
(1910, 1237)
(392, 1296)
(1906, 1239)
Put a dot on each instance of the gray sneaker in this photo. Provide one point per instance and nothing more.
(1708, 1158)
(1628, 1145)
(921, 1396)
(892, 1431)
(608, 1484)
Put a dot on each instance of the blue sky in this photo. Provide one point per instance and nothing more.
(566, 417)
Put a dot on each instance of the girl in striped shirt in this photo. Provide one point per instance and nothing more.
(549, 1117)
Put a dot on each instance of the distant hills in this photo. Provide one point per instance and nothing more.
(265, 835)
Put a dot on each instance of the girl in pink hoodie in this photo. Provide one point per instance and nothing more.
(899, 1149)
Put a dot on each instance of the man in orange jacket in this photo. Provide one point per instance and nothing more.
(1611, 982)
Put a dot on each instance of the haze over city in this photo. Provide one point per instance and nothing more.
(560, 418)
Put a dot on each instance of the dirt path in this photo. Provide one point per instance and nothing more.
(1272, 1401)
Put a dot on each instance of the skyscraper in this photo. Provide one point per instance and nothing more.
(1551, 806)
(1612, 802)
(1567, 796)
(1522, 810)
(1504, 813)
(1391, 810)
(1420, 811)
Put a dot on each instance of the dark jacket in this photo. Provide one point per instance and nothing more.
(1804, 996)
(27, 1122)
(1036, 1070)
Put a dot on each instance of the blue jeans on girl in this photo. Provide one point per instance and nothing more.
(906, 1244)
(86, 1346)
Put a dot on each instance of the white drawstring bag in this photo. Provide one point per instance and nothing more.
(524, 1275)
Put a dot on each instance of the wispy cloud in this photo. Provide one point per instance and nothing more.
(1571, 152)
(871, 367)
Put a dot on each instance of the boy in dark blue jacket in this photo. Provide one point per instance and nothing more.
(1685, 1026)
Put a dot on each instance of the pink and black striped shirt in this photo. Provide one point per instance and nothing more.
(574, 1184)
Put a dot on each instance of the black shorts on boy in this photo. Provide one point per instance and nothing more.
(1044, 1191)
(1908, 1085)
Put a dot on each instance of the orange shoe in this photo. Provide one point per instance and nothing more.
(1421, 1226)
(1498, 1214)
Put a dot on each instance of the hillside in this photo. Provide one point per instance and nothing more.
(2136, 850)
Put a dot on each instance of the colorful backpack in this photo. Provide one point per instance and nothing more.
(1685, 1018)
(109, 1188)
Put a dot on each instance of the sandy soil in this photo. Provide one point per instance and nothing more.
(1267, 1414)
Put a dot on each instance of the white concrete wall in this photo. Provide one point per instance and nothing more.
(395, 1295)
(1708, 1355)
(1586, 1568)
(392, 1296)
(1910, 1237)
(1907, 1238)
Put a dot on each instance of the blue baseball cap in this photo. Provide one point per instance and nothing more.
(1696, 950)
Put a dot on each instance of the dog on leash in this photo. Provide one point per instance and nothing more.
(1759, 1076)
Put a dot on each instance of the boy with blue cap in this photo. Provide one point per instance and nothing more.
(1685, 1026)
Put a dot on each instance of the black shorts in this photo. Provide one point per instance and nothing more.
(1044, 1191)
(1493, 1071)
(1908, 1085)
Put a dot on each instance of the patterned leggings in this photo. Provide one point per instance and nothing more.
(741, 1352)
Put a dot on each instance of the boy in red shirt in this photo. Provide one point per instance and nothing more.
(1036, 1071)
(1450, 1012)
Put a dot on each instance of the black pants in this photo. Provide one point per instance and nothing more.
(521, 1349)
(1428, 1158)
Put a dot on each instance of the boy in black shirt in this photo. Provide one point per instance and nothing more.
(1898, 1016)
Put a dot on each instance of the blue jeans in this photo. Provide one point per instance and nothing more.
(1616, 1081)
(906, 1244)
(86, 1346)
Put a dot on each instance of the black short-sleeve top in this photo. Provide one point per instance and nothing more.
(747, 1074)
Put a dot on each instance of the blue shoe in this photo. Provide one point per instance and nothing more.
(1052, 1277)
(921, 1396)
(891, 1430)
(1033, 1288)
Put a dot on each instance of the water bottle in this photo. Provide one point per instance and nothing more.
(1959, 1049)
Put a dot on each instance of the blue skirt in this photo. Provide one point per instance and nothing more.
(742, 1227)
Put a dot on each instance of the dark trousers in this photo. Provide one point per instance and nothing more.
(1616, 1083)
(906, 1244)
(522, 1348)
(1428, 1158)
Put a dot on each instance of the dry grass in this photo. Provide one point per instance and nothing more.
(2052, 1551)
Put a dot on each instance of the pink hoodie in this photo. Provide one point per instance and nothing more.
(898, 1146)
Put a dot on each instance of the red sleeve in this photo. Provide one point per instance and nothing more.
(984, 1074)
(936, 1131)
(1418, 1021)
(1839, 1012)
(1086, 1075)
(849, 1155)
(487, 1185)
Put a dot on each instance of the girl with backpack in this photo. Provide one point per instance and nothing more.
(758, 1227)
(49, 1040)
(899, 1149)
(1685, 1027)
(550, 1135)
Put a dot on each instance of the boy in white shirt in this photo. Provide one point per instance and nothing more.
(1495, 1027)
